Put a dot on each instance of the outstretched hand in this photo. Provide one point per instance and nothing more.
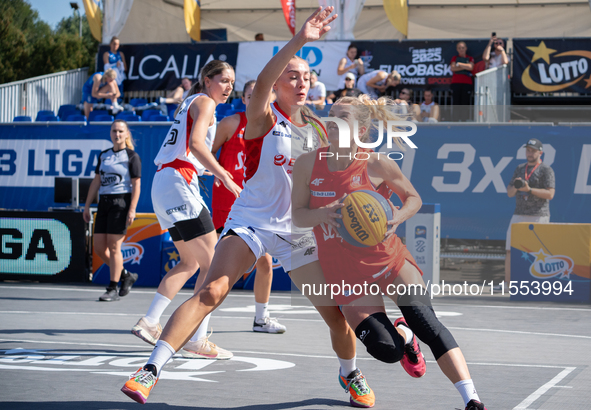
(317, 24)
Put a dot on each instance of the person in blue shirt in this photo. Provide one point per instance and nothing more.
(115, 59)
(100, 85)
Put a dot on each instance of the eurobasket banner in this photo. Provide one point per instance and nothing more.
(552, 65)
(552, 255)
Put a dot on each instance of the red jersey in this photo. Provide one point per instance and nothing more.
(232, 160)
(340, 261)
(464, 76)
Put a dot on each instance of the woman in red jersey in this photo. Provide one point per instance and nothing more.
(388, 268)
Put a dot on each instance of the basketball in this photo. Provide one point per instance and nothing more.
(365, 218)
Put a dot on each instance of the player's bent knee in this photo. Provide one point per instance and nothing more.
(213, 294)
(380, 338)
(421, 319)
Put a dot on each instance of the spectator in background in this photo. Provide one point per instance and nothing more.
(100, 85)
(115, 59)
(461, 80)
(317, 93)
(177, 95)
(348, 91)
(350, 64)
(494, 54)
(394, 88)
(409, 108)
(259, 37)
(375, 82)
(429, 108)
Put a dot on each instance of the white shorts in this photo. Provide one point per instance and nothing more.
(292, 251)
(174, 199)
(523, 218)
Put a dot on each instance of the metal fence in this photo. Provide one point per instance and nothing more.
(47, 92)
(492, 95)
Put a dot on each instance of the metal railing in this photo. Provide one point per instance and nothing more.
(492, 95)
(47, 92)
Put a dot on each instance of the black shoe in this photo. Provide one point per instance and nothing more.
(475, 405)
(127, 281)
(109, 296)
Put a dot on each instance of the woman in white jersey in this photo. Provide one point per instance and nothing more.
(260, 219)
(183, 157)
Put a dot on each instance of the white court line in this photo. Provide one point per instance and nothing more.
(538, 393)
(517, 307)
(270, 354)
(519, 332)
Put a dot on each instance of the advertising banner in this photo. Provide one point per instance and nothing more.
(551, 65)
(161, 66)
(551, 262)
(43, 246)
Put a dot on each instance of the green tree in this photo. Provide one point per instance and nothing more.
(29, 47)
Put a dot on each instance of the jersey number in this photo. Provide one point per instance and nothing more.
(172, 139)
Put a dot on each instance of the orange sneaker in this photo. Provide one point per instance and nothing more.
(356, 385)
(139, 385)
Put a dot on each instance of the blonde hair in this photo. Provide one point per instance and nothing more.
(395, 75)
(111, 73)
(367, 109)
(129, 142)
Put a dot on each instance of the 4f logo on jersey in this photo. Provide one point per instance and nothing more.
(310, 251)
(283, 124)
(279, 160)
(317, 181)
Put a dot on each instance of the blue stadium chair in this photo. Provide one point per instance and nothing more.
(65, 113)
(171, 109)
(148, 113)
(22, 118)
(109, 118)
(123, 114)
(158, 117)
(228, 113)
(46, 118)
(238, 105)
(66, 108)
(44, 113)
(138, 102)
(95, 113)
(76, 117)
(130, 118)
(221, 109)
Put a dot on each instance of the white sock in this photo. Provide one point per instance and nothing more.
(261, 310)
(159, 304)
(408, 334)
(202, 329)
(467, 390)
(347, 365)
(161, 354)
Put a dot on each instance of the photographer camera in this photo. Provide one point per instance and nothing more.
(533, 186)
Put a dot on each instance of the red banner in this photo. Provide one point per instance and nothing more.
(289, 8)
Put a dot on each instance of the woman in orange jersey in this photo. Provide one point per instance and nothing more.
(388, 267)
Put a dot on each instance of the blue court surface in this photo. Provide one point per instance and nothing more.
(62, 349)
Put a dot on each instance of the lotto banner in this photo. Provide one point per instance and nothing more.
(141, 251)
(551, 65)
(545, 258)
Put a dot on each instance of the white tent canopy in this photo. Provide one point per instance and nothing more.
(162, 21)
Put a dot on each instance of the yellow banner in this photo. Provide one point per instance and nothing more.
(193, 19)
(93, 15)
(397, 12)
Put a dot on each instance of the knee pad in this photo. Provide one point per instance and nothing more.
(421, 319)
(380, 338)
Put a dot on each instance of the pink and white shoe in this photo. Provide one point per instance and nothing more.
(413, 360)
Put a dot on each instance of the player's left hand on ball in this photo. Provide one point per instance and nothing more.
(330, 215)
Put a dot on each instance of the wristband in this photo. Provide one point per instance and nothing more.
(529, 191)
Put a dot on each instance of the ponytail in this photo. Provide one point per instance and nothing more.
(310, 118)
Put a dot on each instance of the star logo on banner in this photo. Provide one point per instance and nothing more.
(588, 82)
(541, 256)
(173, 256)
(541, 51)
(525, 255)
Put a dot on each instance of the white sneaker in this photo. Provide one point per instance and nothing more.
(204, 349)
(268, 325)
(147, 331)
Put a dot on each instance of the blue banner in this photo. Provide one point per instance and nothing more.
(465, 168)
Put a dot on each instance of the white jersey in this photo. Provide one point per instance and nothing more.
(364, 79)
(176, 144)
(353, 71)
(265, 201)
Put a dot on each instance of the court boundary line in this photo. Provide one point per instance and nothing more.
(544, 389)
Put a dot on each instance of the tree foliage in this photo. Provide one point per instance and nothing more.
(29, 47)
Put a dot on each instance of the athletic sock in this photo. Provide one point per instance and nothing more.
(202, 329)
(112, 285)
(161, 354)
(347, 365)
(408, 334)
(261, 310)
(159, 304)
(467, 390)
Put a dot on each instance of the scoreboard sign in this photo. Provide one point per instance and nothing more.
(47, 246)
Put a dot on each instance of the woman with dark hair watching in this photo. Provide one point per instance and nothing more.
(117, 181)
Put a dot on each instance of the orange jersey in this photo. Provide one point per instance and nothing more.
(232, 160)
(341, 261)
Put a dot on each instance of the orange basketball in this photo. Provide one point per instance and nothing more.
(365, 218)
